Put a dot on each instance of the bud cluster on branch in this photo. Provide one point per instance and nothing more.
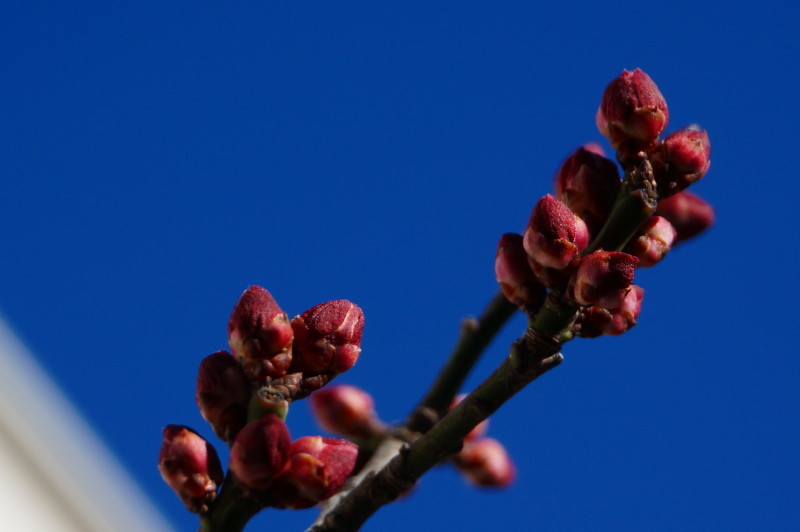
(571, 271)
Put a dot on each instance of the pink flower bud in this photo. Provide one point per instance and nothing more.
(603, 278)
(588, 184)
(485, 463)
(632, 112)
(189, 464)
(555, 235)
(595, 320)
(652, 242)
(328, 337)
(689, 214)
(517, 280)
(479, 429)
(683, 158)
(223, 393)
(260, 451)
(317, 469)
(259, 334)
(345, 410)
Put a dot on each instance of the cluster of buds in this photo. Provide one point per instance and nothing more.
(483, 461)
(558, 252)
(245, 394)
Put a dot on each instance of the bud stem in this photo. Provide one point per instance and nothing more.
(635, 203)
(475, 336)
(231, 511)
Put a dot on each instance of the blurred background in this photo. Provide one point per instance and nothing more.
(158, 158)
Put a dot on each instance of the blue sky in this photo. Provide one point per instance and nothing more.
(157, 159)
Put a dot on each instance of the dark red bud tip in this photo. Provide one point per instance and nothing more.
(588, 184)
(223, 393)
(485, 463)
(317, 469)
(189, 464)
(517, 280)
(328, 337)
(260, 451)
(683, 158)
(632, 110)
(689, 214)
(603, 278)
(259, 334)
(555, 235)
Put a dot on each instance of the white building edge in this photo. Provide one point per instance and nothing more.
(56, 474)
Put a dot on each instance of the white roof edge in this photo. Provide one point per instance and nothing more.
(67, 460)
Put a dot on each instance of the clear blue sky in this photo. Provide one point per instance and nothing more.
(157, 159)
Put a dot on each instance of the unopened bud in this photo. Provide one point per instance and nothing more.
(555, 235)
(603, 278)
(515, 276)
(633, 112)
(588, 184)
(328, 337)
(189, 464)
(689, 214)
(345, 410)
(652, 242)
(683, 158)
(260, 451)
(317, 469)
(260, 334)
(595, 321)
(485, 463)
(223, 393)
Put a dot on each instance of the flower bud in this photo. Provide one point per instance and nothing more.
(517, 280)
(555, 235)
(689, 214)
(189, 464)
(683, 158)
(485, 463)
(223, 393)
(588, 184)
(259, 334)
(632, 112)
(479, 429)
(652, 242)
(328, 337)
(260, 451)
(345, 410)
(595, 321)
(603, 278)
(317, 469)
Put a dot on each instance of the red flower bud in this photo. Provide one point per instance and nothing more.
(588, 184)
(328, 337)
(317, 469)
(345, 410)
(654, 239)
(633, 112)
(260, 451)
(603, 278)
(259, 334)
(688, 214)
(189, 464)
(683, 158)
(479, 429)
(555, 235)
(595, 320)
(517, 280)
(223, 393)
(485, 463)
